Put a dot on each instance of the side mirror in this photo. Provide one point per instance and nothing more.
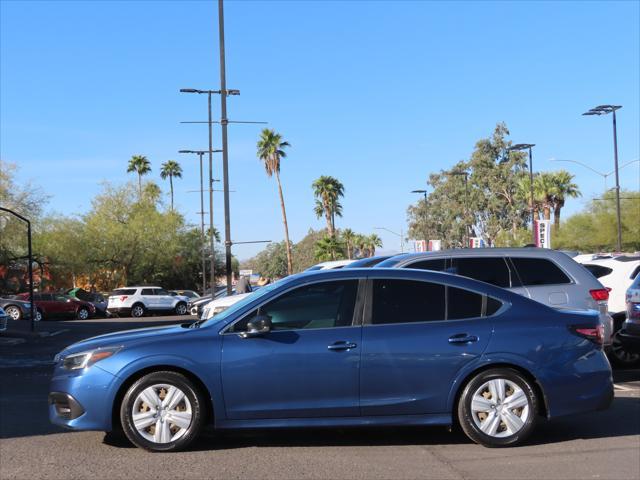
(257, 326)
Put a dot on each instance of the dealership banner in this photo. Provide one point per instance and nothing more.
(543, 233)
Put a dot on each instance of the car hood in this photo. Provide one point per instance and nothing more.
(123, 338)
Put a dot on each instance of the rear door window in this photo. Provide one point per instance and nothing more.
(407, 301)
(493, 270)
(147, 291)
(539, 271)
(463, 304)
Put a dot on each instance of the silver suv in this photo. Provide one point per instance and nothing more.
(138, 301)
(547, 276)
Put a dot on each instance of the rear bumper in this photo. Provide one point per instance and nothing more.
(125, 311)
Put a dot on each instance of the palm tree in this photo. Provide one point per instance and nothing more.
(360, 242)
(328, 191)
(349, 237)
(171, 169)
(373, 241)
(543, 191)
(327, 248)
(270, 151)
(563, 188)
(141, 165)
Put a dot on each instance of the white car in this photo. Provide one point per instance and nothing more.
(332, 265)
(221, 304)
(138, 301)
(617, 274)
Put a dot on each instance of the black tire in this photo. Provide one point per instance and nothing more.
(181, 308)
(82, 313)
(14, 312)
(467, 418)
(193, 396)
(138, 310)
(39, 315)
(619, 356)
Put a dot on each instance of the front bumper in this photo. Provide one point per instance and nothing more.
(82, 400)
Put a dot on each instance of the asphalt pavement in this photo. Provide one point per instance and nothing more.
(601, 445)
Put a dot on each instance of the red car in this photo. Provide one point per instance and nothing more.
(57, 305)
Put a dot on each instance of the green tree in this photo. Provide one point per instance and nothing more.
(373, 241)
(141, 166)
(270, 151)
(328, 248)
(171, 169)
(328, 191)
(564, 188)
(348, 236)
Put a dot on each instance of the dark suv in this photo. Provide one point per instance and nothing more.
(50, 305)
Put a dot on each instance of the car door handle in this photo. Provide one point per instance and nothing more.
(462, 338)
(342, 346)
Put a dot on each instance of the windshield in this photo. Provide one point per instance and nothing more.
(263, 291)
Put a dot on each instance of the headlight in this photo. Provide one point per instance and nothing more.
(77, 361)
(220, 309)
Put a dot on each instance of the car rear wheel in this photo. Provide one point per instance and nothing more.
(137, 310)
(82, 313)
(162, 411)
(39, 315)
(498, 408)
(14, 312)
(181, 308)
(621, 357)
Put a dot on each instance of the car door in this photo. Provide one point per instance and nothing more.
(163, 299)
(147, 295)
(416, 337)
(64, 304)
(306, 366)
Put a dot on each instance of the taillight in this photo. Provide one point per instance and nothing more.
(595, 334)
(634, 310)
(123, 298)
(600, 294)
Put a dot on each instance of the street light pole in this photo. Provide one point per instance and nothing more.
(225, 151)
(212, 281)
(528, 146)
(604, 175)
(603, 110)
(200, 153)
(32, 310)
(395, 233)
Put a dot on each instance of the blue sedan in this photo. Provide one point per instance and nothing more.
(342, 348)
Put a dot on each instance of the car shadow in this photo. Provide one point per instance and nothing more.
(605, 424)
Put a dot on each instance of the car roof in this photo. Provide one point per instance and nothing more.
(533, 252)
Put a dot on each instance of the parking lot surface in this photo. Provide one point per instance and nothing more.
(602, 445)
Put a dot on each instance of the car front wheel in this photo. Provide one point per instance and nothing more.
(162, 411)
(498, 408)
(82, 314)
(181, 308)
(13, 312)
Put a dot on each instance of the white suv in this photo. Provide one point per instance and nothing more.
(137, 301)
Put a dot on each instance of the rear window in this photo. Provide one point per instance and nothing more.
(598, 270)
(123, 291)
(493, 270)
(539, 271)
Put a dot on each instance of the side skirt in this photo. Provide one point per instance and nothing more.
(389, 420)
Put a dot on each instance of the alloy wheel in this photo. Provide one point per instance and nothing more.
(622, 356)
(500, 408)
(162, 413)
(14, 313)
(137, 311)
(83, 314)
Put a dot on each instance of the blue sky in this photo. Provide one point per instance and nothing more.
(378, 94)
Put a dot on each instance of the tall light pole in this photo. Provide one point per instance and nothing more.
(604, 110)
(200, 153)
(32, 310)
(210, 122)
(528, 146)
(423, 192)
